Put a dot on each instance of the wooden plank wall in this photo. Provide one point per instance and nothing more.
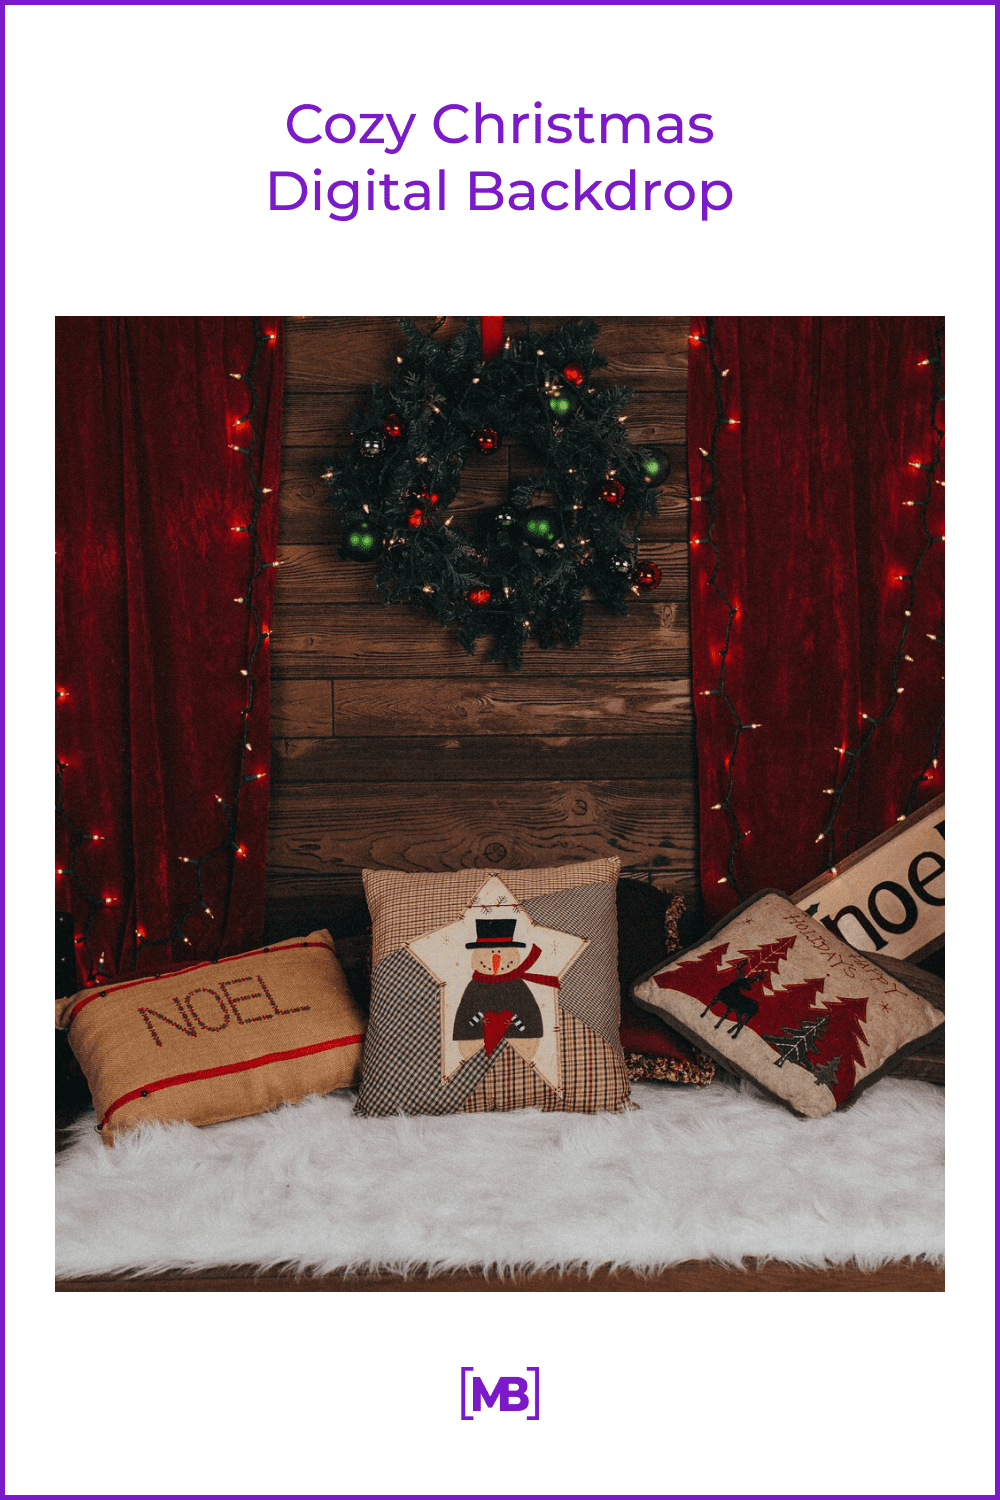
(391, 747)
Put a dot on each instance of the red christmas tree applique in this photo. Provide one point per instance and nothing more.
(495, 1024)
(736, 990)
(696, 975)
(822, 1034)
(847, 1017)
(765, 960)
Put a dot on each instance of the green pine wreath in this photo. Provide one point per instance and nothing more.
(519, 570)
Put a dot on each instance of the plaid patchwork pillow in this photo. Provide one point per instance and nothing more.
(493, 990)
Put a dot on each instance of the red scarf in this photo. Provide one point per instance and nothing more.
(521, 972)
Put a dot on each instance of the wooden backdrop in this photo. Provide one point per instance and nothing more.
(391, 747)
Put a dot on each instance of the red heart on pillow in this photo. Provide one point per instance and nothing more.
(495, 1023)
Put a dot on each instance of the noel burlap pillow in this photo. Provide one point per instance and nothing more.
(182, 1046)
(493, 990)
(775, 997)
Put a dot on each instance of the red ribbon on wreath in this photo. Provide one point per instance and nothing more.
(492, 333)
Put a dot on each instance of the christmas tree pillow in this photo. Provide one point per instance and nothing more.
(493, 990)
(777, 998)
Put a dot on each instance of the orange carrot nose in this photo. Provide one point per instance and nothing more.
(496, 962)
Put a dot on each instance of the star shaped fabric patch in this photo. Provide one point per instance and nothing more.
(500, 975)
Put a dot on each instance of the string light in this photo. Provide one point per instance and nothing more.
(708, 498)
(229, 847)
(873, 722)
(847, 754)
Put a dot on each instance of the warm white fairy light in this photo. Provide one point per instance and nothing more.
(142, 940)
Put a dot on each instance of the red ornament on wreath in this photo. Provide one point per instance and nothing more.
(392, 426)
(487, 439)
(574, 375)
(426, 498)
(417, 517)
(648, 577)
(479, 596)
(613, 491)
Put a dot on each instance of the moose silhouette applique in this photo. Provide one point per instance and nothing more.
(738, 1004)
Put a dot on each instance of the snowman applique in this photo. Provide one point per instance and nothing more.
(501, 972)
(496, 1003)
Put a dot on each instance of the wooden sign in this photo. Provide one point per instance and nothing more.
(888, 898)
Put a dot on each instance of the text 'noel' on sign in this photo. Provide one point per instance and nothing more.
(888, 898)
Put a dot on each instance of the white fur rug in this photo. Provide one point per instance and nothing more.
(718, 1173)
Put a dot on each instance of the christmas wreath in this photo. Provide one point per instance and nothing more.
(519, 569)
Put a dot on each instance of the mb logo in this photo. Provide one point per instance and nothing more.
(510, 1393)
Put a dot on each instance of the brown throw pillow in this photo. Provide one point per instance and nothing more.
(648, 930)
(182, 1045)
(493, 990)
(775, 997)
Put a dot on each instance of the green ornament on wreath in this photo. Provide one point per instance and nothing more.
(517, 571)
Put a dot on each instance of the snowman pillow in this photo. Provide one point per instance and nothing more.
(494, 990)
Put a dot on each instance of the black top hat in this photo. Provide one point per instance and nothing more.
(495, 935)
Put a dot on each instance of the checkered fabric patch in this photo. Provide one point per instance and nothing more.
(401, 1066)
(591, 1075)
(589, 987)
(404, 907)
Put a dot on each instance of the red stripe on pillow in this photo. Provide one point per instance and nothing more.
(240, 1067)
(209, 963)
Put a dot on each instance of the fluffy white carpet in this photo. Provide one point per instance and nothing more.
(720, 1173)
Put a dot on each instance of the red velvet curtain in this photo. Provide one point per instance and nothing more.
(816, 462)
(166, 536)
